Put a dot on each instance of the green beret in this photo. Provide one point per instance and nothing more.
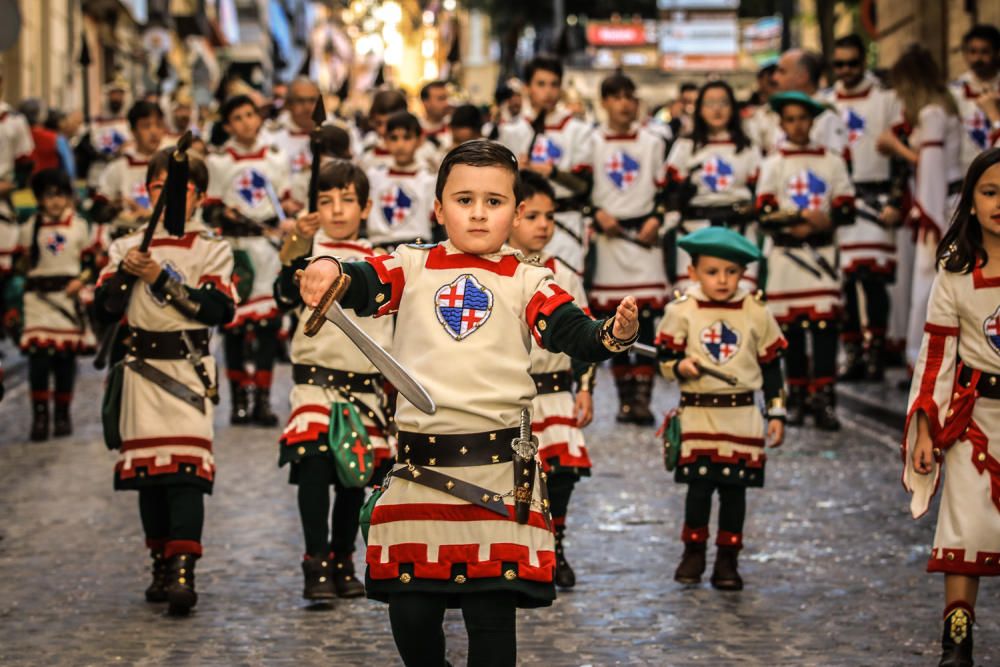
(779, 100)
(720, 242)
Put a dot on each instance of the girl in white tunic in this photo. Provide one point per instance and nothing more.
(953, 419)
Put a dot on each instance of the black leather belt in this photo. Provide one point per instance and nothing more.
(466, 449)
(553, 383)
(332, 378)
(815, 240)
(988, 385)
(871, 189)
(47, 283)
(167, 344)
(736, 400)
(714, 214)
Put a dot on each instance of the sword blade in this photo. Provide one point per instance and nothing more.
(390, 369)
(644, 350)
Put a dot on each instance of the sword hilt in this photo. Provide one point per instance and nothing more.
(318, 317)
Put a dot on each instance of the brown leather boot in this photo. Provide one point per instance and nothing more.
(157, 590)
(692, 564)
(316, 573)
(725, 575)
(956, 641)
(625, 384)
(39, 420)
(344, 580)
(180, 584)
(642, 394)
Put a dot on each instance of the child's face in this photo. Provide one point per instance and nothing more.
(534, 225)
(796, 122)
(403, 145)
(148, 133)
(716, 110)
(378, 121)
(719, 278)
(477, 208)
(243, 124)
(54, 203)
(341, 212)
(986, 198)
(155, 188)
(543, 90)
(622, 108)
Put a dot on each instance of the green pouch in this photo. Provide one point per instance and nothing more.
(111, 406)
(243, 274)
(671, 434)
(365, 516)
(351, 446)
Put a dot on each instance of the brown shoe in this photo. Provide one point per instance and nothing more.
(692, 564)
(625, 384)
(642, 393)
(725, 576)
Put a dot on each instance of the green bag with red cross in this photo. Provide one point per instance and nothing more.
(352, 448)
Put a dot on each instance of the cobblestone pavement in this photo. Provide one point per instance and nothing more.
(833, 564)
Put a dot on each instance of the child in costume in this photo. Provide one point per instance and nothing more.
(444, 531)
(164, 429)
(337, 431)
(953, 419)
(718, 325)
(557, 414)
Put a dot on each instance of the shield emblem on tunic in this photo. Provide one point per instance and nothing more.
(991, 327)
(545, 151)
(721, 341)
(463, 306)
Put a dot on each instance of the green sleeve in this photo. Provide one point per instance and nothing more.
(286, 290)
(571, 331)
(366, 293)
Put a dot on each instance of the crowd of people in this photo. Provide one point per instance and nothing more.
(773, 247)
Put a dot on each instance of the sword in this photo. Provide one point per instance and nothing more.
(803, 264)
(329, 309)
(275, 202)
(525, 448)
(821, 261)
(649, 351)
(44, 298)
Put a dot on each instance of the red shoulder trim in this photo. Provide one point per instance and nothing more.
(438, 258)
(185, 241)
(772, 351)
(980, 281)
(668, 341)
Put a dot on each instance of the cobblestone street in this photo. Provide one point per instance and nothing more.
(834, 565)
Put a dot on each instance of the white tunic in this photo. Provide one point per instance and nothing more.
(15, 144)
(402, 205)
(109, 136)
(965, 90)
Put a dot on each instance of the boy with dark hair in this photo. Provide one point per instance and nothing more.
(374, 152)
(337, 390)
(403, 191)
(121, 199)
(248, 176)
(445, 531)
(981, 51)
(58, 256)
(804, 193)
(552, 143)
(628, 258)
(557, 414)
(164, 430)
(466, 124)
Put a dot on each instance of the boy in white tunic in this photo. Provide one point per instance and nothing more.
(337, 432)
(444, 533)
(557, 414)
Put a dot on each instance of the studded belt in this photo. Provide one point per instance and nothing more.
(988, 385)
(47, 283)
(332, 378)
(553, 383)
(466, 449)
(167, 344)
(736, 400)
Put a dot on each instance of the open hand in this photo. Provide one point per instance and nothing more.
(775, 432)
(923, 447)
(626, 319)
(316, 279)
(583, 408)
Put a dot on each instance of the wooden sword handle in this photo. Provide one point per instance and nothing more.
(318, 317)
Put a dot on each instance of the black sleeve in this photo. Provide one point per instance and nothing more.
(774, 385)
(101, 307)
(286, 290)
(367, 293)
(571, 331)
(212, 214)
(584, 374)
(215, 308)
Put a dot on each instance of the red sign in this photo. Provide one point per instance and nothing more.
(616, 34)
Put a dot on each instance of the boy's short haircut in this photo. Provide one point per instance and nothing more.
(533, 183)
(851, 41)
(425, 92)
(233, 103)
(467, 116)
(545, 64)
(479, 153)
(688, 86)
(339, 174)
(387, 102)
(197, 171)
(143, 109)
(51, 179)
(617, 84)
(335, 141)
(404, 120)
(985, 32)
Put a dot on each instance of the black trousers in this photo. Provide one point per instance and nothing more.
(876, 291)
(490, 621)
(315, 476)
(824, 352)
(262, 346)
(560, 486)
(172, 513)
(732, 506)
(44, 364)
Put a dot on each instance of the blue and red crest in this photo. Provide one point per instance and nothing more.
(251, 187)
(721, 341)
(55, 243)
(717, 174)
(978, 127)
(139, 194)
(463, 306)
(807, 191)
(396, 205)
(991, 327)
(110, 141)
(855, 125)
(302, 160)
(545, 151)
(622, 169)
